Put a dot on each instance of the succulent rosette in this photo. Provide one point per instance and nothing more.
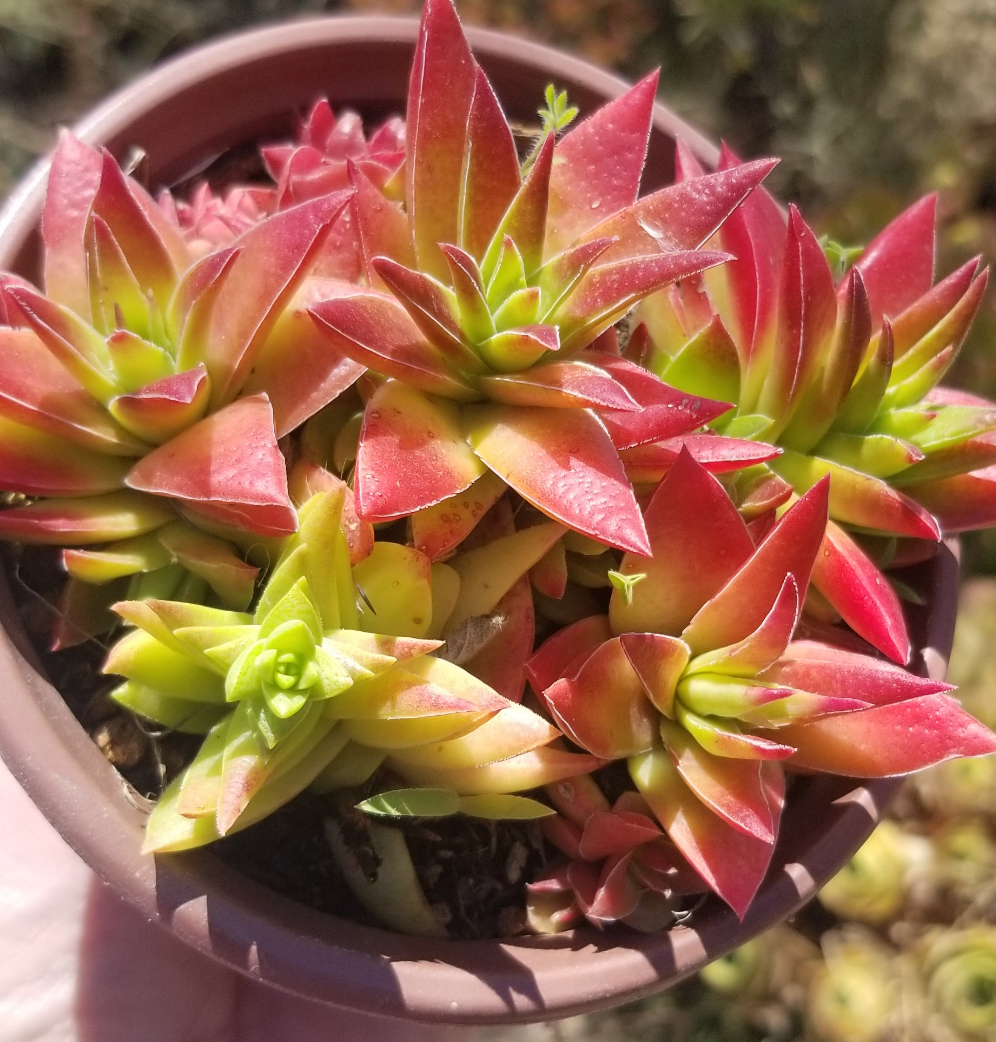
(695, 679)
(143, 393)
(316, 162)
(620, 866)
(489, 292)
(208, 221)
(958, 969)
(304, 689)
(843, 376)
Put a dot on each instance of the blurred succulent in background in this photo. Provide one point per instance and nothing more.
(872, 887)
(843, 378)
(856, 994)
(958, 969)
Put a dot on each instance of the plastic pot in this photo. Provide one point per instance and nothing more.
(183, 115)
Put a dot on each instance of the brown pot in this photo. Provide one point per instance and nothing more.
(183, 114)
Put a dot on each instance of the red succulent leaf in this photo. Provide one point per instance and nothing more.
(665, 411)
(608, 290)
(72, 184)
(698, 542)
(491, 174)
(376, 331)
(226, 467)
(525, 220)
(807, 316)
(84, 520)
(563, 462)
(75, 343)
(755, 235)
(440, 96)
(731, 862)
(598, 165)
(857, 498)
(439, 530)
(564, 835)
(659, 662)
(38, 464)
(818, 404)
(898, 264)
(165, 407)
(188, 317)
(36, 390)
(717, 454)
(682, 216)
(889, 739)
(761, 492)
(549, 575)
(425, 301)
(605, 708)
(615, 832)
(273, 260)
(141, 242)
(114, 289)
(758, 650)
(913, 324)
(382, 227)
(574, 643)
(565, 385)
(558, 277)
(826, 670)
(617, 896)
(742, 604)
(468, 288)
(297, 367)
(412, 454)
(961, 503)
(861, 594)
(732, 789)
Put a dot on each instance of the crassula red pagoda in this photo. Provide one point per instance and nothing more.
(694, 678)
(142, 395)
(844, 378)
(436, 327)
(489, 292)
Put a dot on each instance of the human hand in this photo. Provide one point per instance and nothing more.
(79, 965)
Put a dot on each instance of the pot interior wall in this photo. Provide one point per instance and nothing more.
(184, 115)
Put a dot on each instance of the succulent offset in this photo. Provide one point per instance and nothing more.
(844, 378)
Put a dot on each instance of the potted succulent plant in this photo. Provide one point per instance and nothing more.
(340, 458)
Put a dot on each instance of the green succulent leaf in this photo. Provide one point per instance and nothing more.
(504, 807)
(413, 803)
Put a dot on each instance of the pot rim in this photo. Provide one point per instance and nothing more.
(270, 937)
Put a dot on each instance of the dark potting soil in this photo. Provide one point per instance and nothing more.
(473, 872)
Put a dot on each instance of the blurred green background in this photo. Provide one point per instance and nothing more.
(869, 103)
